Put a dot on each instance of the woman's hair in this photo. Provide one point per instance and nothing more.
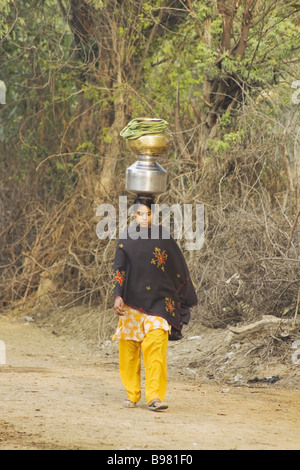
(144, 201)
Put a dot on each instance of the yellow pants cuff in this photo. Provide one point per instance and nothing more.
(154, 350)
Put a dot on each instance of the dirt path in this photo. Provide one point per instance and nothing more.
(58, 394)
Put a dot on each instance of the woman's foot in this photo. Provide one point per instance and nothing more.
(129, 404)
(156, 405)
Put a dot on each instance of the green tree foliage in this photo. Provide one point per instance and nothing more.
(219, 54)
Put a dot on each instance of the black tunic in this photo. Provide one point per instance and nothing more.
(151, 275)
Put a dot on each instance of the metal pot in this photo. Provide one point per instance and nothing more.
(146, 177)
(151, 144)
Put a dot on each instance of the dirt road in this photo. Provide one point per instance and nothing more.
(59, 394)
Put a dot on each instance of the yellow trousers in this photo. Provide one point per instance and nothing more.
(154, 350)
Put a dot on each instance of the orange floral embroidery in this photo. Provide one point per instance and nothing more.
(160, 258)
(170, 306)
(119, 277)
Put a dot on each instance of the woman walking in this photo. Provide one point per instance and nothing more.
(153, 293)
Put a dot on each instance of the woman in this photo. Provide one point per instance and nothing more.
(153, 292)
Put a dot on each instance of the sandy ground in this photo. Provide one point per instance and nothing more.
(57, 393)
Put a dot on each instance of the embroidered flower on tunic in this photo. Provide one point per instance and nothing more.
(160, 258)
(119, 277)
(170, 306)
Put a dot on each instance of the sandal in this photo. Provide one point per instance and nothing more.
(156, 405)
(129, 404)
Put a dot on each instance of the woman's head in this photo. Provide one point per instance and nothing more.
(144, 210)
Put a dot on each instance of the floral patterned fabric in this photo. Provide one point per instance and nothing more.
(134, 325)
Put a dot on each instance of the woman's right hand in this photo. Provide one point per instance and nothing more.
(119, 306)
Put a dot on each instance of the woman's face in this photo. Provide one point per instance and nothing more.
(143, 216)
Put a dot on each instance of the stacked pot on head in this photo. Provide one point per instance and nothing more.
(149, 140)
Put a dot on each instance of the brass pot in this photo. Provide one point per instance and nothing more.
(150, 144)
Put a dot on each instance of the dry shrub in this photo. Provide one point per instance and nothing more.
(49, 250)
(245, 270)
(249, 265)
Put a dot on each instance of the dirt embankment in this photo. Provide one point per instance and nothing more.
(63, 393)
